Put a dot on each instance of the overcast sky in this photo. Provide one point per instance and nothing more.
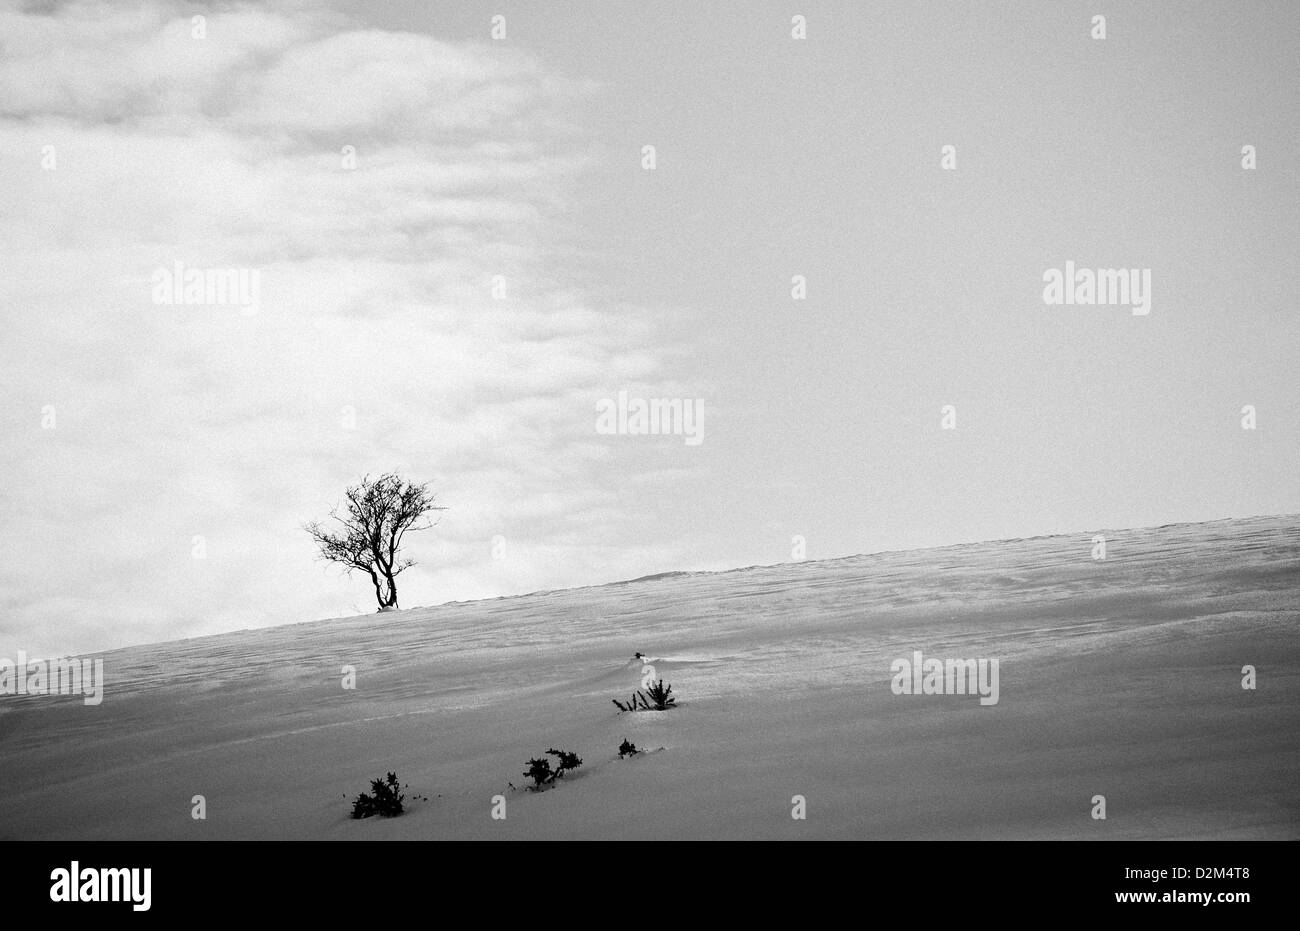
(131, 428)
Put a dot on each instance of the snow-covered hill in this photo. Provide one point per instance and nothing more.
(1120, 678)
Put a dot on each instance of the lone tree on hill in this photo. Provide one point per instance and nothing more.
(378, 515)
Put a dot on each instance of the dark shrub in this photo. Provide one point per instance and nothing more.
(385, 799)
(567, 760)
(540, 771)
(656, 698)
(660, 696)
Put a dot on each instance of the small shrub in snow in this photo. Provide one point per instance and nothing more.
(657, 697)
(662, 697)
(385, 799)
(540, 771)
(627, 749)
(567, 760)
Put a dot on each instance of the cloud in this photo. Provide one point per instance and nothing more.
(377, 342)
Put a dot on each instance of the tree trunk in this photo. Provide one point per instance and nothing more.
(385, 591)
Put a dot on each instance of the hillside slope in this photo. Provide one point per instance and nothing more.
(1119, 678)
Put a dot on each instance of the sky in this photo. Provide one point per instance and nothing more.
(460, 253)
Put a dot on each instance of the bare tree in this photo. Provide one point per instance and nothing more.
(378, 514)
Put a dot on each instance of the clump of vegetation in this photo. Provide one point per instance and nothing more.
(627, 749)
(657, 697)
(542, 773)
(539, 770)
(567, 760)
(385, 799)
(662, 697)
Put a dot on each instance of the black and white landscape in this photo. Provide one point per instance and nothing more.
(649, 421)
